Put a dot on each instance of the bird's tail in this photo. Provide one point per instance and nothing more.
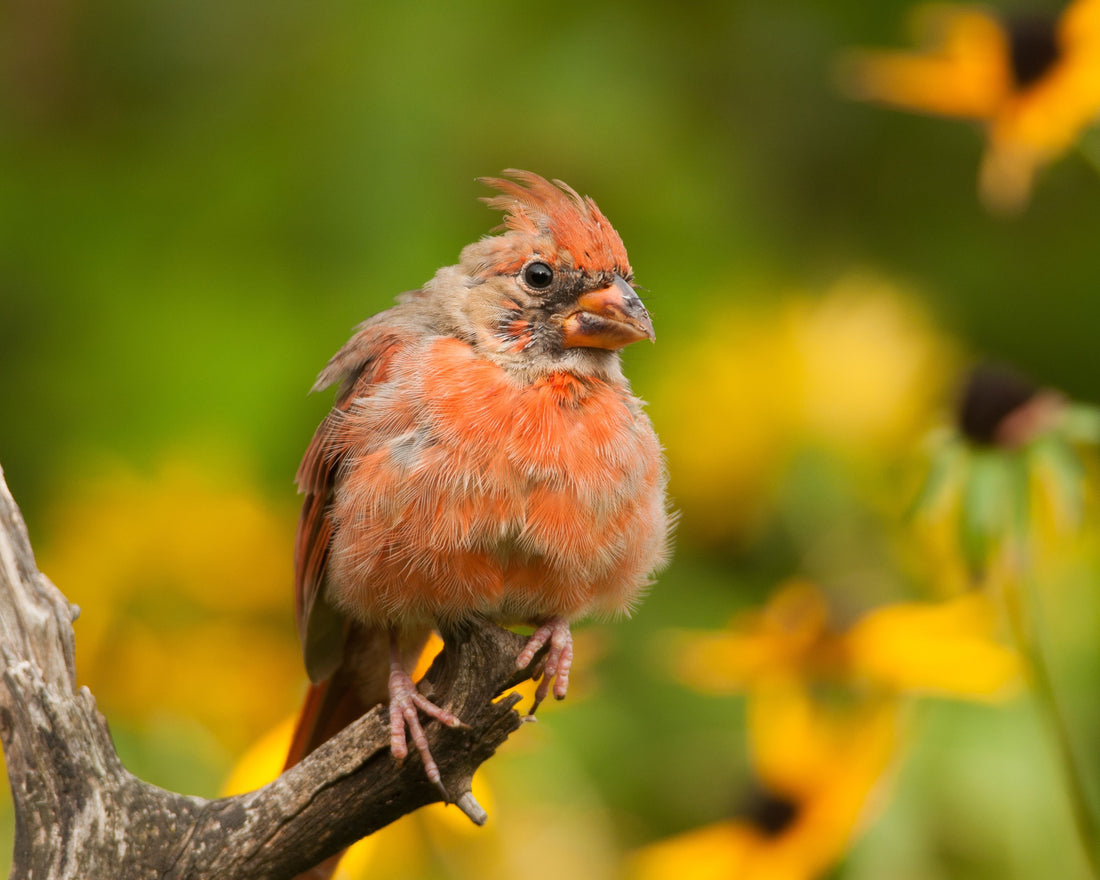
(360, 683)
(329, 707)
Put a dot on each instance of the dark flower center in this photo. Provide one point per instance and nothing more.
(770, 813)
(991, 394)
(1033, 48)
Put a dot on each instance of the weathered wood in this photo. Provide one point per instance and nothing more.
(80, 813)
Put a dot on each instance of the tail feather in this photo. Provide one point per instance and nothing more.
(358, 684)
(329, 707)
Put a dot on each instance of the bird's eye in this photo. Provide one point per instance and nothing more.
(538, 276)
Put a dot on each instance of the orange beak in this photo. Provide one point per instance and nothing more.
(610, 318)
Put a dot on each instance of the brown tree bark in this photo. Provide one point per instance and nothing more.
(81, 814)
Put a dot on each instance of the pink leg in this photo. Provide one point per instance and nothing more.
(559, 659)
(405, 699)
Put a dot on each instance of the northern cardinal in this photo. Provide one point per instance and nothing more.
(485, 456)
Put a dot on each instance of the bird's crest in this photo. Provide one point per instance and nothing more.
(535, 206)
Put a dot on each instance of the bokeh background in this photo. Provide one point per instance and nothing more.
(199, 200)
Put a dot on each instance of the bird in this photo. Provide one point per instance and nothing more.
(485, 456)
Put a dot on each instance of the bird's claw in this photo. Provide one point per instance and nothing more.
(405, 704)
(555, 665)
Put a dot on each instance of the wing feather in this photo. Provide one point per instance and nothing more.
(360, 367)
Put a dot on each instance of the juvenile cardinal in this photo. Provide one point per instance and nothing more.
(485, 456)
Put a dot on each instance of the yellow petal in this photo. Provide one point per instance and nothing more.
(261, 762)
(791, 740)
(946, 649)
(427, 656)
(778, 639)
(724, 454)
(825, 756)
(869, 365)
(714, 852)
(721, 663)
(862, 747)
(961, 70)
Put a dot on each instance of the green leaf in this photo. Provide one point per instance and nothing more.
(944, 472)
(1062, 476)
(1080, 423)
(987, 501)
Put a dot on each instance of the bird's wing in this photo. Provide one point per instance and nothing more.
(360, 366)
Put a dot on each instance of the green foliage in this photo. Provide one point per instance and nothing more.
(198, 201)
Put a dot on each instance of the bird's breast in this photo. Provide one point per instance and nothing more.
(464, 490)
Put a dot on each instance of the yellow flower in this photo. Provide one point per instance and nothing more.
(721, 412)
(1009, 479)
(939, 649)
(855, 370)
(816, 764)
(184, 582)
(867, 364)
(944, 648)
(1034, 82)
(824, 716)
(784, 639)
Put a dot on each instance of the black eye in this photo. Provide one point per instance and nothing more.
(538, 276)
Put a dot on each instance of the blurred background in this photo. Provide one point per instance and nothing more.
(199, 200)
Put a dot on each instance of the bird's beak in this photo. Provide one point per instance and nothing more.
(610, 318)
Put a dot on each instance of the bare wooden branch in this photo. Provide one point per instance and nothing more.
(80, 814)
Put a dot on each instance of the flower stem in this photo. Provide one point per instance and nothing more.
(1025, 635)
(1088, 150)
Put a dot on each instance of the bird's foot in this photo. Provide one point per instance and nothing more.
(557, 663)
(405, 701)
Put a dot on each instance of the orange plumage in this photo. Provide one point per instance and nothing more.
(485, 455)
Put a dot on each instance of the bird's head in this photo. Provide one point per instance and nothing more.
(553, 290)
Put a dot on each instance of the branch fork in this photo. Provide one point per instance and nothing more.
(80, 813)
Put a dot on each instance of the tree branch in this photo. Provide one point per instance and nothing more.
(80, 814)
